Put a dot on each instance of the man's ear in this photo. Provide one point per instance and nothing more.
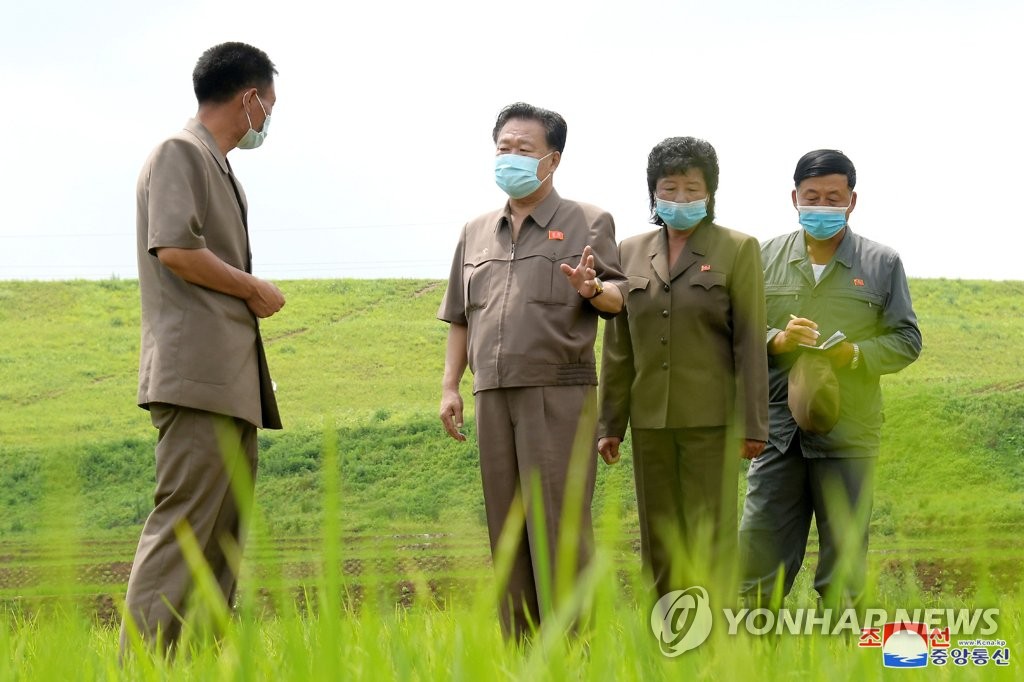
(556, 158)
(247, 96)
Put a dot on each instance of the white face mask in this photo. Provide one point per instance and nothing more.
(253, 139)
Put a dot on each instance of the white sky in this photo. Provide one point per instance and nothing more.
(380, 148)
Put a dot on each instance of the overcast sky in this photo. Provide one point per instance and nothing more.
(380, 147)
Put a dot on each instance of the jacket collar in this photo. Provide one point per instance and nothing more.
(541, 214)
(798, 254)
(206, 137)
(843, 254)
(696, 247)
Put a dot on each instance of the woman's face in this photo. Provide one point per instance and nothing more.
(682, 187)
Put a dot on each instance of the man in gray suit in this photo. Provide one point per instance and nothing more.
(822, 279)
(203, 373)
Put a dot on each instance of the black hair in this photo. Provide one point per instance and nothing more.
(825, 162)
(555, 128)
(675, 155)
(225, 70)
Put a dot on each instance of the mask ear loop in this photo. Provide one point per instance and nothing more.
(246, 110)
(552, 171)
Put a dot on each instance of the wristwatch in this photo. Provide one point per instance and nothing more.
(855, 362)
(598, 289)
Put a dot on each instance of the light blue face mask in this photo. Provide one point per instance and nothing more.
(823, 222)
(516, 174)
(253, 139)
(681, 216)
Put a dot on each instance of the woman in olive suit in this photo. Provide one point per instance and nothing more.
(685, 367)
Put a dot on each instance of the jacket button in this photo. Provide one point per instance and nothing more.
(664, 341)
(664, 365)
(668, 288)
(664, 313)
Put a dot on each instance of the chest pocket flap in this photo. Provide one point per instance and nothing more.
(637, 283)
(708, 279)
(476, 276)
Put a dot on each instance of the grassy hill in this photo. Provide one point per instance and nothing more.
(362, 359)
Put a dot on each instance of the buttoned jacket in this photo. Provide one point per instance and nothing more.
(688, 350)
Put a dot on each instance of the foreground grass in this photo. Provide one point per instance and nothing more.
(459, 640)
(332, 626)
(447, 645)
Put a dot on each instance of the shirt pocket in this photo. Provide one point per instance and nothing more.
(477, 278)
(781, 300)
(546, 283)
(857, 310)
(638, 298)
(706, 299)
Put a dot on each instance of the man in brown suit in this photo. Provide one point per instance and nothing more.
(527, 285)
(203, 373)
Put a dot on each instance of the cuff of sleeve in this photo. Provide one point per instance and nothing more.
(863, 348)
(623, 288)
(605, 430)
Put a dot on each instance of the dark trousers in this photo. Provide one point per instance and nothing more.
(784, 490)
(686, 497)
(196, 453)
(537, 441)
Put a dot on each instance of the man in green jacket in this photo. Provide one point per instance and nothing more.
(820, 280)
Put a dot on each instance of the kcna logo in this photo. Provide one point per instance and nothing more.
(681, 620)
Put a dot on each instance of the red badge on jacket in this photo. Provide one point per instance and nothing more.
(556, 234)
(857, 282)
(705, 267)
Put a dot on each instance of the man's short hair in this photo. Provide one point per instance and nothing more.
(675, 155)
(555, 128)
(825, 162)
(225, 70)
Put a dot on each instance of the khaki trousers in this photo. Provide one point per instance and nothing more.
(192, 484)
(686, 490)
(528, 434)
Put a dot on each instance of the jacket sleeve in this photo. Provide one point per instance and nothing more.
(453, 306)
(606, 257)
(899, 344)
(178, 198)
(617, 374)
(750, 354)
